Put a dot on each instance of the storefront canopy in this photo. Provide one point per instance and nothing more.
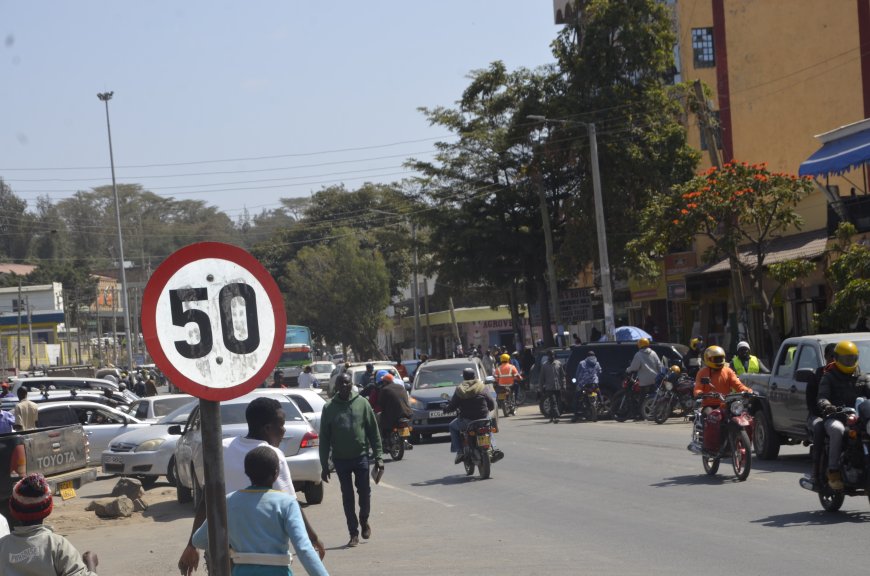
(807, 245)
(842, 149)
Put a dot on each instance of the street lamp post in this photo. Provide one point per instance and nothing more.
(105, 97)
(604, 261)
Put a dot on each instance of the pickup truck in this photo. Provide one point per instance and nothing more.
(781, 413)
(59, 453)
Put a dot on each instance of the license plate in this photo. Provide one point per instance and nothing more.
(502, 395)
(483, 440)
(113, 459)
(593, 395)
(404, 432)
(66, 490)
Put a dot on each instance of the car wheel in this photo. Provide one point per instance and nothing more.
(313, 493)
(196, 489)
(183, 494)
(764, 438)
(171, 475)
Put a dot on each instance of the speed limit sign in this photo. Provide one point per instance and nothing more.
(213, 320)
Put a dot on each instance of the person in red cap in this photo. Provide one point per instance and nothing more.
(4, 389)
(32, 548)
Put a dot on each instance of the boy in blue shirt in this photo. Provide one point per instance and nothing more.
(262, 522)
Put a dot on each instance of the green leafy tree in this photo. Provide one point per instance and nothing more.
(849, 275)
(17, 226)
(740, 209)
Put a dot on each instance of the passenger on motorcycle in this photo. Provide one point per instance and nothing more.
(372, 391)
(647, 364)
(695, 356)
(840, 386)
(473, 403)
(815, 421)
(587, 374)
(393, 402)
(506, 374)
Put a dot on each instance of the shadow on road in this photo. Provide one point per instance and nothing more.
(813, 518)
(695, 480)
(447, 480)
(168, 511)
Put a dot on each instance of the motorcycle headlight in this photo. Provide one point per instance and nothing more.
(851, 419)
(669, 385)
(737, 408)
(149, 445)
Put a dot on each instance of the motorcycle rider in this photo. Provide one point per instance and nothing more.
(474, 403)
(745, 362)
(815, 422)
(393, 401)
(715, 377)
(840, 386)
(587, 374)
(506, 374)
(694, 358)
(372, 391)
(648, 366)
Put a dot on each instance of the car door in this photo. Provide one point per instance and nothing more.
(56, 416)
(780, 386)
(306, 409)
(102, 426)
(186, 447)
(808, 357)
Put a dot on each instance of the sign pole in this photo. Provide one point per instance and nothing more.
(215, 488)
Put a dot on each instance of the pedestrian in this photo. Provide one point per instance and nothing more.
(33, 548)
(4, 389)
(24, 411)
(577, 340)
(262, 522)
(401, 369)
(278, 379)
(265, 419)
(553, 384)
(587, 374)
(307, 379)
(348, 430)
(150, 387)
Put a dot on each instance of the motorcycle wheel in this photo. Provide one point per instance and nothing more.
(711, 465)
(602, 406)
(620, 406)
(469, 465)
(662, 411)
(741, 455)
(591, 411)
(646, 407)
(831, 501)
(544, 405)
(397, 446)
(483, 467)
(506, 408)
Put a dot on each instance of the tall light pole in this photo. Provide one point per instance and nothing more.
(105, 97)
(604, 261)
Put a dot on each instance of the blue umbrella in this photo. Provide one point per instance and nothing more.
(630, 333)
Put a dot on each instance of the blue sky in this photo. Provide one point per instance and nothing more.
(241, 103)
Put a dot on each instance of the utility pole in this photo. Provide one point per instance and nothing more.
(426, 308)
(415, 295)
(457, 343)
(29, 330)
(551, 266)
(18, 340)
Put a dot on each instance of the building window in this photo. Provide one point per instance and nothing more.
(702, 48)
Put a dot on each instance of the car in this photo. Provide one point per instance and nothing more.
(147, 453)
(309, 402)
(38, 383)
(153, 408)
(101, 423)
(300, 446)
(356, 370)
(321, 370)
(434, 385)
(115, 400)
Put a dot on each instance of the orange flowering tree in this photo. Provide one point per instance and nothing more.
(740, 208)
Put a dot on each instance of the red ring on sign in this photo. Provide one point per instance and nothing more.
(158, 281)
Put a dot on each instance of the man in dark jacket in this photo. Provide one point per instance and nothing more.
(393, 400)
(473, 403)
(553, 384)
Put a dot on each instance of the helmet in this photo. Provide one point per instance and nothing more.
(742, 345)
(504, 358)
(714, 357)
(379, 375)
(343, 379)
(846, 357)
(468, 374)
(696, 343)
(643, 343)
(387, 379)
(675, 369)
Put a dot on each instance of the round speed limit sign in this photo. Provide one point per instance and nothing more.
(213, 320)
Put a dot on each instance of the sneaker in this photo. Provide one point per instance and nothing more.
(366, 531)
(458, 458)
(497, 455)
(354, 541)
(835, 481)
(555, 420)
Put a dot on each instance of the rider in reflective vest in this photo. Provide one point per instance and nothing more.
(743, 362)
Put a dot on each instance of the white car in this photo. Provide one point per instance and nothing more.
(153, 408)
(147, 453)
(102, 423)
(321, 370)
(310, 403)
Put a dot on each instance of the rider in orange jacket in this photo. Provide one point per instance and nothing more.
(722, 379)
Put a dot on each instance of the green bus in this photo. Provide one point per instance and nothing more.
(297, 353)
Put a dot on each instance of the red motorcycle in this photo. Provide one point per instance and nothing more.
(724, 432)
(674, 395)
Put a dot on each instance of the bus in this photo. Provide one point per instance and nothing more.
(297, 353)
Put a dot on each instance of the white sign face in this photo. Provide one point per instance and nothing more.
(210, 322)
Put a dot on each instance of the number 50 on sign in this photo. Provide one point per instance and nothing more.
(213, 320)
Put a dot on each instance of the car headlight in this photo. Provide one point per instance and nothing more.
(737, 408)
(149, 445)
(417, 404)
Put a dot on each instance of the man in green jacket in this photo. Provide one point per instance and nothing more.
(348, 428)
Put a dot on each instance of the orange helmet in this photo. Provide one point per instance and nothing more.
(643, 343)
(846, 357)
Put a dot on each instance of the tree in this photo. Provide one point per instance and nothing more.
(849, 275)
(339, 289)
(16, 225)
(740, 209)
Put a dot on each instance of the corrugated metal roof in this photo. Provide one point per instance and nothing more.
(806, 245)
(20, 269)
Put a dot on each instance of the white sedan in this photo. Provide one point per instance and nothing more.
(310, 403)
(101, 423)
(153, 408)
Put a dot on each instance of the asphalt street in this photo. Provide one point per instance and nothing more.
(622, 498)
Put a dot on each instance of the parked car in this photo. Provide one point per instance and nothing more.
(37, 383)
(309, 402)
(356, 370)
(434, 385)
(102, 423)
(321, 370)
(153, 408)
(115, 400)
(300, 446)
(147, 453)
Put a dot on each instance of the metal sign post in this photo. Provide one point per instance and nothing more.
(213, 321)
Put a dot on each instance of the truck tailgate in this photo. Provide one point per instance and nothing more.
(56, 450)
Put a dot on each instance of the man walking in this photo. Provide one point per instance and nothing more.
(24, 411)
(348, 429)
(552, 383)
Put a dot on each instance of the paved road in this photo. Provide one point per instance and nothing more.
(625, 498)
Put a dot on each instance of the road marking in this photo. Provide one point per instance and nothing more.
(403, 491)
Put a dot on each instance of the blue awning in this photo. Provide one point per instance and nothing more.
(838, 155)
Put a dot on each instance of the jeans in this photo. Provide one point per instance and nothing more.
(346, 470)
(835, 430)
(457, 425)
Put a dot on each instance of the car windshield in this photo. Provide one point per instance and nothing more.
(180, 414)
(164, 406)
(432, 377)
(322, 368)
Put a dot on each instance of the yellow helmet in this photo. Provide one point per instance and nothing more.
(714, 357)
(643, 343)
(504, 358)
(846, 357)
(695, 343)
(675, 369)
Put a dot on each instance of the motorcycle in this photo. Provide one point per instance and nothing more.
(506, 400)
(477, 447)
(394, 442)
(854, 458)
(673, 395)
(629, 401)
(589, 401)
(723, 432)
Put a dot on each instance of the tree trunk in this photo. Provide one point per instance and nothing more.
(544, 307)
(771, 327)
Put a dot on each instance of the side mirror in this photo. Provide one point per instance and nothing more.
(805, 375)
(175, 430)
